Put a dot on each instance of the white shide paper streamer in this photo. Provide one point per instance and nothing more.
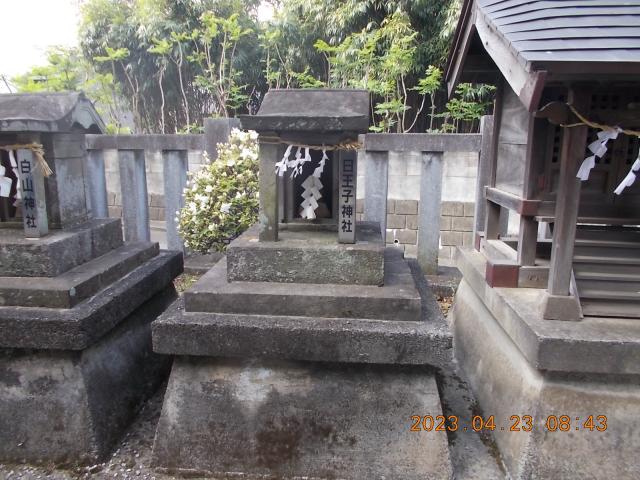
(630, 178)
(312, 186)
(599, 149)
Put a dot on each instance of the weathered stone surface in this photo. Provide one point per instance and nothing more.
(506, 384)
(312, 110)
(48, 112)
(308, 257)
(593, 345)
(425, 342)
(59, 251)
(77, 284)
(299, 420)
(72, 406)
(81, 326)
(397, 300)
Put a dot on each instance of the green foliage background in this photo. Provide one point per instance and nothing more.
(173, 63)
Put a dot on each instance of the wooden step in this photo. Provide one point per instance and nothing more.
(603, 250)
(616, 309)
(590, 274)
(598, 294)
(607, 258)
(606, 270)
(608, 286)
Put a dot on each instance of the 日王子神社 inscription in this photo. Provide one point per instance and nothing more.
(347, 197)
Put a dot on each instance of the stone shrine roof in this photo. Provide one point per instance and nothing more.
(49, 112)
(311, 111)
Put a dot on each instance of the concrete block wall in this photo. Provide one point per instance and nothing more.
(456, 226)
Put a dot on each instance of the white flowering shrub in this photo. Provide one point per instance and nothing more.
(221, 199)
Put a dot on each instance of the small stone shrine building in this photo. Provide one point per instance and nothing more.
(304, 353)
(547, 320)
(75, 301)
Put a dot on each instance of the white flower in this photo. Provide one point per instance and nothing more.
(253, 135)
(225, 207)
(193, 207)
(208, 189)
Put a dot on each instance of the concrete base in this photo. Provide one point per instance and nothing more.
(501, 348)
(308, 256)
(424, 341)
(59, 251)
(238, 419)
(79, 283)
(398, 299)
(71, 406)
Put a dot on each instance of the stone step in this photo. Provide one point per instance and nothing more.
(426, 342)
(245, 419)
(79, 283)
(59, 251)
(398, 299)
(79, 327)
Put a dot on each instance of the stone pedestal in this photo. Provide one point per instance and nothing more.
(339, 368)
(259, 419)
(75, 343)
(519, 363)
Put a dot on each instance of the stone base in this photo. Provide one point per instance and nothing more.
(70, 407)
(238, 419)
(79, 283)
(425, 340)
(308, 256)
(79, 327)
(398, 299)
(59, 251)
(520, 364)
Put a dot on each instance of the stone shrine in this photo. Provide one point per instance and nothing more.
(305, 352)
(75, 301)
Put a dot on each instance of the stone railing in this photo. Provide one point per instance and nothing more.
(421, 219)
(424, 226)
(132, 153)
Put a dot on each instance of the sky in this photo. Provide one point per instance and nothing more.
(28, 27)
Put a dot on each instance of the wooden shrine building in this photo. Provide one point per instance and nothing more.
(558, 64)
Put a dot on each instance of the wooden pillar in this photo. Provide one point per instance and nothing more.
(568, 198)
(536, 148)
(484, 176)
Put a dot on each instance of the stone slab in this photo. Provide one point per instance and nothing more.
(81, 326)
(311, 110)
(71, 407)
(59, 251)
(243, 419)
(425, 342)
(308, 257)
(592, 345)
(397, 300)
(506, 384)
(77, 284)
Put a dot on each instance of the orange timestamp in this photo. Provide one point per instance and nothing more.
(517, 423)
